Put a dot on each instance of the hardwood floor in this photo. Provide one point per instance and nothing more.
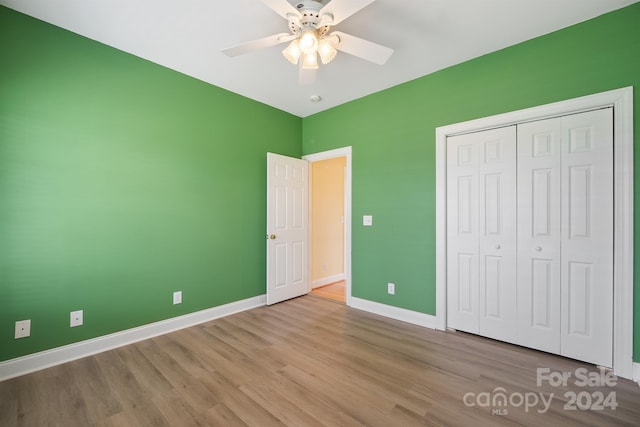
(335, 291)
(308, 362)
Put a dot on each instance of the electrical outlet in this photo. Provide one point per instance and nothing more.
(177, 297)
(391, 288)
(23, 328)
(76, 318)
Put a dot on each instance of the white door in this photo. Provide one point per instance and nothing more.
(559, 205)
(587, 237)
(539, 198)
(481, 239)
(462, 234)
(287, 227)
(565, 236)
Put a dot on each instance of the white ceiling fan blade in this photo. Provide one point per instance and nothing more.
(282, 8)
(257, 44)
(342, 9)
(361, 48)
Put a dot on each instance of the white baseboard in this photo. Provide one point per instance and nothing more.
(636, 372)
(56, 356)
(402, 314)
(327, 280)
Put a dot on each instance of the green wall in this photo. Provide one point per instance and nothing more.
(393, 138)
(120, 182)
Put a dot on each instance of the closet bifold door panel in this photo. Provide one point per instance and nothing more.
(539, 199)
(565, 236)
(587, 237)
(481, 233)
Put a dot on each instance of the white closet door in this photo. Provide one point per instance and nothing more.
(587, 237)
(539, 157)
(497, 197)
(559, 204)
(565, 236)
(481, 246)
(462, 234)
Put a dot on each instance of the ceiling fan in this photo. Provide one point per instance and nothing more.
(309, 37)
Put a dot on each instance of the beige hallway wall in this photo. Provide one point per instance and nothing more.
(327, 220)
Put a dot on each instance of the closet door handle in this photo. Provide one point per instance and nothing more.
(497, 246)
(538, 248)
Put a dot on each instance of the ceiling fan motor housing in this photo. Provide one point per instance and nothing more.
(309, 17)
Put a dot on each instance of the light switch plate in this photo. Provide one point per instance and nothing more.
(367, 220)
(23, 328)
(391, 288)
(177, 297)
(76, 318)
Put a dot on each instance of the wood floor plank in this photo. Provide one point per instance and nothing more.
(230, 363)
(8, 403)
(179, 377)
(181, 353)
(358, 406)
(249, 411)
(148, 376)
(218, 385)
(306, 362)
(277, 405)
(316, 404)
(129, 393)
(221, 415)
(177, 411)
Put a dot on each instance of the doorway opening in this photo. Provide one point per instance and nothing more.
(330, 224)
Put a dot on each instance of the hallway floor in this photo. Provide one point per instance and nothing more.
(335, 291)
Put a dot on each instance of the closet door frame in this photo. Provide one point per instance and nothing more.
(622, 102)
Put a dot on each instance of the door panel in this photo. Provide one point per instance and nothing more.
(579, 195)
(466, 202)
(287, 228)
(492, 280)
(497, 171)
(541, 202)
(462, 234)
(580, 276)
(467, 285)
(587, 242)
(481, 233)
(541, 294)
(492, 204)
(538, 254)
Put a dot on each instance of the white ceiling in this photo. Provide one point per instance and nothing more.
(427, 35)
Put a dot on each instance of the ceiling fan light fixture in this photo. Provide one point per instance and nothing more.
(293, 52)
(326, 51)
(309, 41)
(310, 61)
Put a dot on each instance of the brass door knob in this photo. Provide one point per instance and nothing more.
(271, 236)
